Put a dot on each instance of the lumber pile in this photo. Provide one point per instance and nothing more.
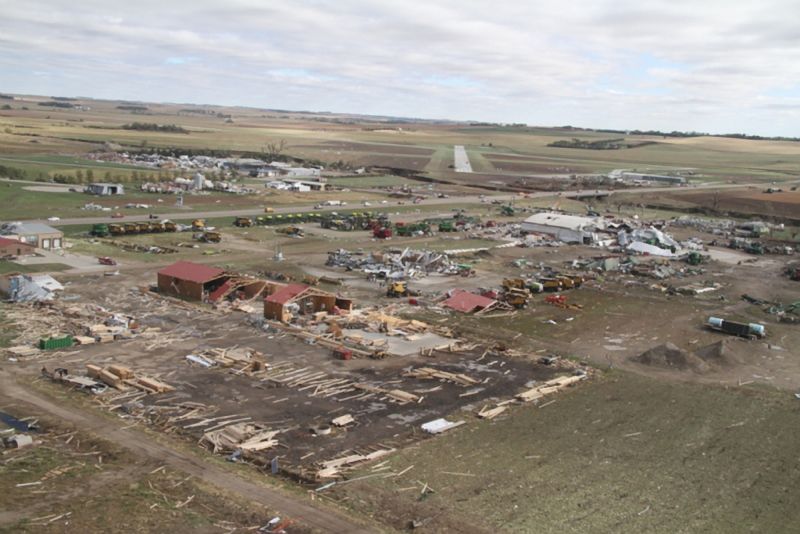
(122, 378)
(491, 413)
(551, 386)
(396, 395)
(247, 437)
(333, 468)
(315, 383)
(245, 359)
(429, 373)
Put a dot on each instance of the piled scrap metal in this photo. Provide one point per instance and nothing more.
(650, 241)
(30, 288)
(395, 264)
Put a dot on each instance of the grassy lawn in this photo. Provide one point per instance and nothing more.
(371, 181)
(11, 267)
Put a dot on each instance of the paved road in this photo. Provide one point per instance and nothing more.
(274, 499)
(461, 159)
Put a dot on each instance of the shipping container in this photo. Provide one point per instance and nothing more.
(56, 343)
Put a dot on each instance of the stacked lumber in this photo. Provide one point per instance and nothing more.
(551, 386)
(121, 377)
(106, 376)
(429, 373)
(333, 468)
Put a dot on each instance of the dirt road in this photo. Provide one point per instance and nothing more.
(453, 200)
(274, 499)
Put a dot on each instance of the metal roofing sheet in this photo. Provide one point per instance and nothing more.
(464, 301)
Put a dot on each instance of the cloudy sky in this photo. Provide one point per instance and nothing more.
(706, 65)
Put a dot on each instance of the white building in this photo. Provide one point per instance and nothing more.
(566, 228)
(105, 189)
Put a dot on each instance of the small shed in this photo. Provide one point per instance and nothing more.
(189, 280)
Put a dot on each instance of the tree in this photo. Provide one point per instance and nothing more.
(275, 150)
(107, 176)
(79, 175)
(90, 175)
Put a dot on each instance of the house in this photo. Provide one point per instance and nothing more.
(566, 228)
(286, 301)
(192, 281)
(105, 189)
(15, 247)
(36, 234)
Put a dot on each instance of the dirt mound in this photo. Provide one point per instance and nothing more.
(669, 356)
(724, 353)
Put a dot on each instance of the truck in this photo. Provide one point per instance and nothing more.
(748, 330)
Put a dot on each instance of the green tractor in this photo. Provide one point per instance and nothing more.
(100, 230)
(508, 210)
(694, 258)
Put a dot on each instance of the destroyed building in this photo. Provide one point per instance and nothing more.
(286, 301)
(566, 228)
(29, 288)
(189, 280)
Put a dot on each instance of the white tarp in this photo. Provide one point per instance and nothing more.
(437, 426)
(644, 248)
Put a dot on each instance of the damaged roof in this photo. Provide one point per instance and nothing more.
(192, 272)
(286, 293)
(467, 302)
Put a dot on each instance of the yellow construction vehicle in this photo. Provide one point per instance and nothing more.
(170, 226)
(517, 297)
(397, 290)
(513, 283)
(293, 231)
(243, 222)
(551, 284)
(131, 228)
(116, 229)
(198, 225)
(210, 237)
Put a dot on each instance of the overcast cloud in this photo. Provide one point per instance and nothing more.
(708, 65)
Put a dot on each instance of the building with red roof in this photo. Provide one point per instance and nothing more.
(15, 247)
(189, 280)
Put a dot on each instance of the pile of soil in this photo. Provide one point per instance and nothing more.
(669, 356)
(722, 354)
